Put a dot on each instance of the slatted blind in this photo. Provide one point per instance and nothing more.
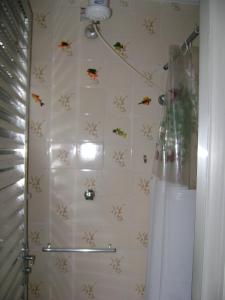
(15, 41)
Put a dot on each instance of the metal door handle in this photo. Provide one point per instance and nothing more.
(49, 248)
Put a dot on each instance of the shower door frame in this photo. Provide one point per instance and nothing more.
(209, 252)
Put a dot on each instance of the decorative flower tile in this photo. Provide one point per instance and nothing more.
(92, 129)
(149, 78)
(35, 288)
(41, 19)
(39, 73)
(62, 211)
(119, 158)
(37, 99)
(62, 263)
(176, 6)
(66, 47)
(142, 237)
(35, 237)
(120, 103)
(149, 24)
(121, 49)
(35, 182)
(89, 290)
(124, 3)
(116, 264)
(90, 183)
(89, 238)
(64, 156)
(65, 101)
(140, 289)
(117, 212)
(144, 186)
(37, 128)
(146, 130)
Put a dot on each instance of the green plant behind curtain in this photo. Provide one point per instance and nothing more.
(176, 153)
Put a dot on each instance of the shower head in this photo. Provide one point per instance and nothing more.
(98, 10)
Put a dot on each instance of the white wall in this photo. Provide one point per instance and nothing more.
(208, 277)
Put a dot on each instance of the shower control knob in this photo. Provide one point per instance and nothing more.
(89, 194)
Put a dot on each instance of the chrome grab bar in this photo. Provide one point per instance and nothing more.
(49, 248)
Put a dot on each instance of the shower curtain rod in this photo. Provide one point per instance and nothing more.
(186, 44)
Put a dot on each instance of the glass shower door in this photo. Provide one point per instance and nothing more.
(15, 41)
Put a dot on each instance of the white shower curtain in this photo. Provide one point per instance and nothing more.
(169, 272)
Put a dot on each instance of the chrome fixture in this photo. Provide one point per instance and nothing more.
(89, 194)
(162, 100)
(90, 31)
(49, 248)
(187, 43)
(28, 260)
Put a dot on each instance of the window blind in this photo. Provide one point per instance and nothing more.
(15, 41)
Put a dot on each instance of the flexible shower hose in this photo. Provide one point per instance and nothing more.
(107, 44)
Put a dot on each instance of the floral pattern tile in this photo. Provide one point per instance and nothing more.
(63, 156)
(65, 101)
(119, 157)
(62, 211)
(89, 238)
(37, 128)
(35, 183)
(41, 19)
(118, 212)
(92, 128)
(35, 237)
(150, 24)
(116, 264)
(88, 290)
(120, 103)
(62, 263)
(146, 131)
(39, 73)
(90, 183)
(140, 289)
(142, 238)
(144, 186)
(149, 78)
(34, 288)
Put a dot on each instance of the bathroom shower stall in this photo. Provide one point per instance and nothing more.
(94, 119)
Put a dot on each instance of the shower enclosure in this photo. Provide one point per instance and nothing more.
(92, 133)
(15, 45)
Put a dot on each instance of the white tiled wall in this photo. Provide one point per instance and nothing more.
(73, 147)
